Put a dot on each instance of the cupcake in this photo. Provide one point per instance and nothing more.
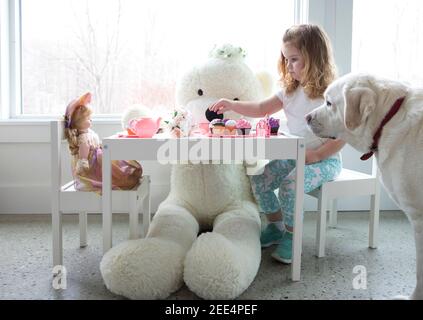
(230, 126)
(274, 125)
(243, 126)
(217, 127)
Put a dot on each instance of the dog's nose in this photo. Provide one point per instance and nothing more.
(308, 118)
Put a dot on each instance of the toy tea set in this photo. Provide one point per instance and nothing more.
(144, 127)
(220, 127)
(180, 126)
(243, 128)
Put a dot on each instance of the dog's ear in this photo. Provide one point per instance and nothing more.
(359, 103)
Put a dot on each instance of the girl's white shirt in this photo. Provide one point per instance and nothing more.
(296, 106)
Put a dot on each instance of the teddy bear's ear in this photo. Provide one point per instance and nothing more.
(266, 81)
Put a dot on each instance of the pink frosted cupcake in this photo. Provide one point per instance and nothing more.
(230, 126)
(243, 126)
(217, 127)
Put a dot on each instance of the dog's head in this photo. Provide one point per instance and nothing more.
(351, 111)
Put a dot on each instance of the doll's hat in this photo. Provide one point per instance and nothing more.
(70, 109)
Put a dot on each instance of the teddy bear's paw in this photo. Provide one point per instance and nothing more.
(149, 268)
(214, 269)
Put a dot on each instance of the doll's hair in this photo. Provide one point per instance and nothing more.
(319, 67)
(80, 113)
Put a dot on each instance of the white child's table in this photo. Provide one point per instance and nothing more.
(165, 149)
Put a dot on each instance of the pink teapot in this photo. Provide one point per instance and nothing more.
(145, 127)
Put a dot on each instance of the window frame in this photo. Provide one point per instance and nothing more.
(11, 91)
(11, 62)
(15, 43)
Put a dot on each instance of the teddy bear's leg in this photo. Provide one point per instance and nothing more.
(152, 268)
(223, 263)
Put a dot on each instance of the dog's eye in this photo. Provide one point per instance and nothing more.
(328, 103)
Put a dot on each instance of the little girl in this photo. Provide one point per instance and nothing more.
(87, 155)
(306, 68)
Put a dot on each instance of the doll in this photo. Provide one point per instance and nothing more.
(86, 152)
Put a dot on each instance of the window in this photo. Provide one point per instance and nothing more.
(131, 51)
(389, 44)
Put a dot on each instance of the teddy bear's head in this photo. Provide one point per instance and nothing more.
(223, 75)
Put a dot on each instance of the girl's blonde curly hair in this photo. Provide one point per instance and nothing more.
(319, 66)
(74, 120)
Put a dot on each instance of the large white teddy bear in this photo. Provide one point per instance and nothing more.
(207, 231)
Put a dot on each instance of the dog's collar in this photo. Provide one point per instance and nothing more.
(394, 109)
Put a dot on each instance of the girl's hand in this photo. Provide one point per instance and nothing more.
(312, 156)
(221, 106)
(329, 148)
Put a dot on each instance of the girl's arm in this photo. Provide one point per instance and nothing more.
(324, 151)
(248, 108)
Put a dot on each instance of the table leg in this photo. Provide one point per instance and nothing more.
(107, 199)
(298, 219)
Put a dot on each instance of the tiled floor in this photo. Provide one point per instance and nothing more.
(26, 271)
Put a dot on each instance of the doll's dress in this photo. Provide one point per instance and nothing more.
(126, 174)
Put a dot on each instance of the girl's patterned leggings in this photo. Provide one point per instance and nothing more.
(280, 174)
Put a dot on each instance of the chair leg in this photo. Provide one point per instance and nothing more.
(146, 208)
(83, 229)
(56, 221)
(133, 216)
(374, 217)
(321, 225)
(333, 215)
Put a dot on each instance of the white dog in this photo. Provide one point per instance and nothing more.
(383, 117)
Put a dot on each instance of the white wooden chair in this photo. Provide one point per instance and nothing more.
(349, 183)
(65, 199)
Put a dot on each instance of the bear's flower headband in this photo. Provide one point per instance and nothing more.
(70, 109)
(228, 51)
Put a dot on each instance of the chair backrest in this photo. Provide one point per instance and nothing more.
(56, 137)
(374, 168)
